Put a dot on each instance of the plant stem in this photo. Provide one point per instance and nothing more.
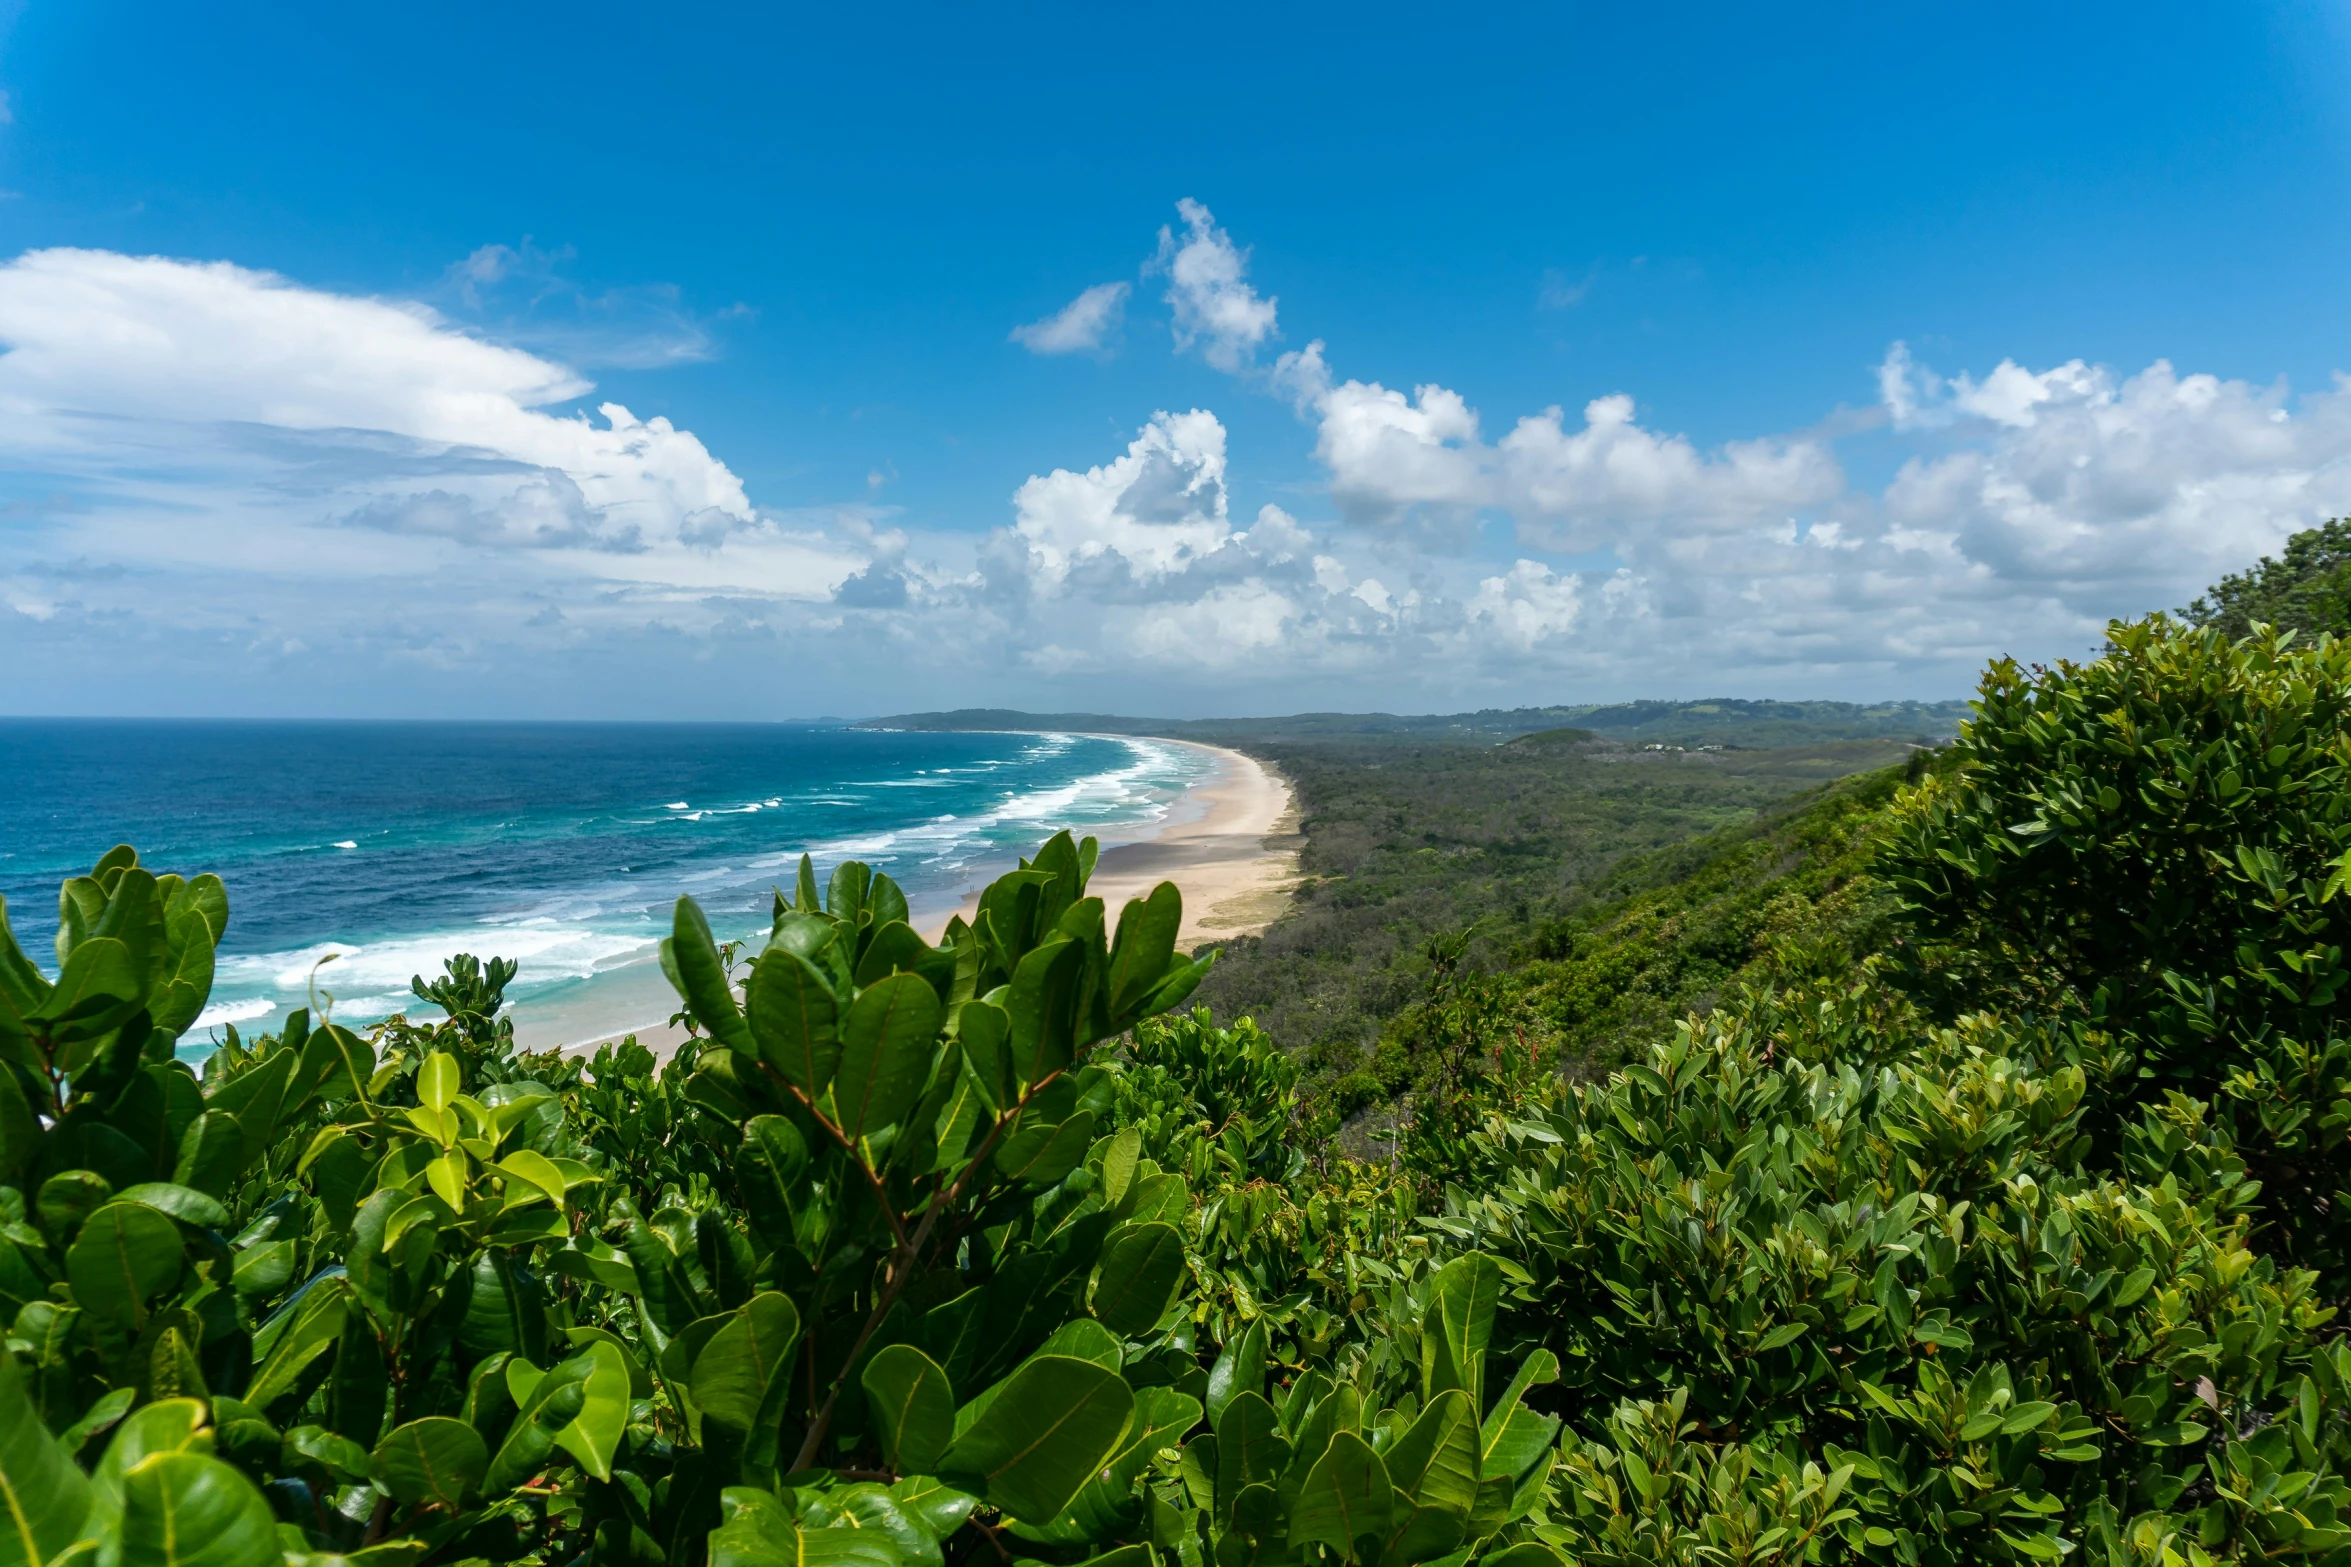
(895, 1284)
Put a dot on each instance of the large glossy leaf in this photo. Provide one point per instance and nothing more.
(212, 1152)
(594, 1435)
(437, 1080)
(1468, 1289)
(1434, 1469)
(1052, 1427)
(1537, 1369)
(181, 1202)
(125, 1256)
(1142, 1269)
(435, 1460)
(1145, 942)
(757, 1530)
(188, 1510)
(1041, 1152)
(732, 1371)
(691, 956)
(986, 1033)
(1107, 1505)
(1239, 1369)
(545, 1405)
(22, 985)
(794, 1019)
(97, 987)
(887, 1042)
(1345, 1498)
(1250, 1447)
(913, 1408)
(1043, 1005)
(44, 1495)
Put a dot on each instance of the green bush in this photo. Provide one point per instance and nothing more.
(872, 1271)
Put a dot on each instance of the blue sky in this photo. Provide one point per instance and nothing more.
(1881, 340)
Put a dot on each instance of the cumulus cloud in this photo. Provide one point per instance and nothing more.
(1216, 308)
(202, 463)
(234, 438)
(1080, 327)
(1388, 454)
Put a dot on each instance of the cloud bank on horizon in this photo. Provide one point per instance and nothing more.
(223, 475)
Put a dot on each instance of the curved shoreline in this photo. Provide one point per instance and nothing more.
(1236, 863)
(1235, 859)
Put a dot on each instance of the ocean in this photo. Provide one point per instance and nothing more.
(383, 848)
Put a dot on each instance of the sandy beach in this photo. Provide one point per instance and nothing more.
(1230, 844)
(1231, 847)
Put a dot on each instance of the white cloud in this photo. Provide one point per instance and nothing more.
(1388, 454)
(1079, 327)
(204, 466)
(233, 441)
(1215, 306)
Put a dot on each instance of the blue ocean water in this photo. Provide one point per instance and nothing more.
(390, 846)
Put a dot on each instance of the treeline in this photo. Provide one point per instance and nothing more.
(1716, 721)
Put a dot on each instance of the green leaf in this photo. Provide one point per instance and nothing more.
(1346, 1496)
(1434, 1469)
(1786, 1333)
(1539, 1369)
(757, 1530)
(44, 1495)
(1435, 1462)
(1043, 1436)
(213, 1151)
(887, 1042)
(1534, 1553)
(437, 1080)
(23, 986)
(1239, 1369)
(732, 1372)
(986, 1033)
(1250, 1447)
(1145, 944)
(182, 1203)
(1040, 1152)
(2026, 1416)
(691, 956)
(188, 1510)
(794, 1019)
(436, 1460)
(98, 987)
(1043, 1005)
(594, 1435)
(913, 1408)
(1468, 1289)
(1142, 1270)
(1119, 1162)
(125, 1256)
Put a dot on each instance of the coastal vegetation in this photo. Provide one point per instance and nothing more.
(1944, 1164)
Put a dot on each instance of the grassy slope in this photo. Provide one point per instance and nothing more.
(1408, 840)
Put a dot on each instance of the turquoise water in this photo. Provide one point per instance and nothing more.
(385, 847)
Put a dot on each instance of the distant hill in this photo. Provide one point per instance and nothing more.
(1728, 721)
